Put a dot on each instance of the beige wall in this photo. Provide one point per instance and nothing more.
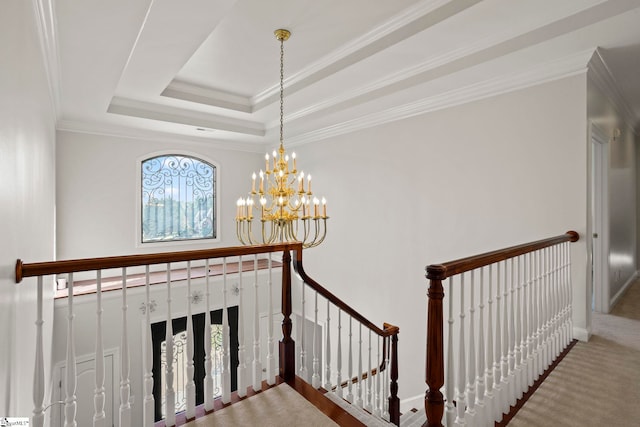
(477, 177)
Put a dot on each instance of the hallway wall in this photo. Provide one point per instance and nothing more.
(604, 113)
(481, 176)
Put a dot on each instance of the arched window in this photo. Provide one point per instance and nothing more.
(178, 199)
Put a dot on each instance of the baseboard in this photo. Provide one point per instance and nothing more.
(410, 403)
(581, 334)
(622, 290)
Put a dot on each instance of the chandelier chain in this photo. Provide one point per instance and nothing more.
(281, 91)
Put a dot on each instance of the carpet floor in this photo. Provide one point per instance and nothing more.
(280, 406)
(598, 382)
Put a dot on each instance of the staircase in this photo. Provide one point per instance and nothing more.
(323, 340)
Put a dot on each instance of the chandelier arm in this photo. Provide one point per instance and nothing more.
(250, 238)
(242, 232)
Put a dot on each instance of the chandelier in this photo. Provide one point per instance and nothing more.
(281, 195)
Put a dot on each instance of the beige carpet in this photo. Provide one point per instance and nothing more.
(597, 383)
(279, 406)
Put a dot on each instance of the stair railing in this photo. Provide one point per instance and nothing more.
(379, 395)
(354, 351)
(518, 315)
(195, 261)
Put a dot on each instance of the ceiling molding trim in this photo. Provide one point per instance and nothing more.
(146, 110)
(413, 72)
(189, 92)
(119, 131)
(554, 70)
(46, 22)
(403, 24)
(600, 74)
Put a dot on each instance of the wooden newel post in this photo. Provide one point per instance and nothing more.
(434, 400)
(287, 345)
(394, 400)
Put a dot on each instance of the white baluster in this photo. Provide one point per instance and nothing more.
(471, 370)
(537, 316)
(271, 360)
(512, 336)
(148, 402)
(242, 357)
(497, 372)
(350, 364)
(257, 364)
(327, 367)
(490, 410)
(386, 382)
(553, 300)
(368, 404)
(461, 401)
(450, 414)
(377, 397)
(545, 308)
(567, 293)
(531, 342)
(570, 290)
(38, 370)
(558, 301)
(208, 376)
(70, 401)
(359, 373)
(226, 362)
(519, 382)
(99, 396)
(339, 354)
(315, 379)
(170, 394)
(506, 389)
(481, 414)
(190, 388)
(524, 345)
(302, 370)
(125, 387)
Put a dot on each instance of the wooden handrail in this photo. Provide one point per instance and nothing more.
(448, 269)
(387, 330)
(436, 273)
(88, 264)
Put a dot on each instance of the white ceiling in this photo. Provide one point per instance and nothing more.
(209, 69)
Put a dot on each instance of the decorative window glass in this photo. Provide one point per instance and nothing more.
(178, 199)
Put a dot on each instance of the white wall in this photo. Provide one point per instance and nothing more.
(622, 185)
(96, 190)
(481, 176)
(27, 199)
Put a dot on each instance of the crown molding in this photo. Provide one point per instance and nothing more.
(410, 21)
(600, 75)
(190, 92)
(46, 23)
(554, 70)
(147, 110)
(119, 131)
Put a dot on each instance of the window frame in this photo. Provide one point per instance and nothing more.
(138, 203)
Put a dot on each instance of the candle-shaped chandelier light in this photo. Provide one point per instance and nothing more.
(281, 195)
